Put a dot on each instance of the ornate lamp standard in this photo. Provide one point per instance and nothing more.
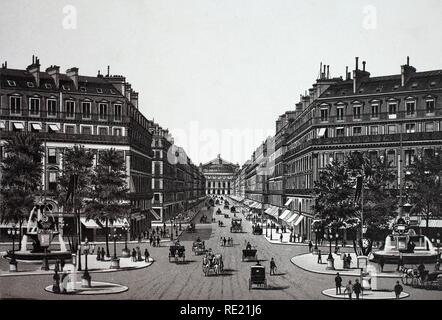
(12, 232)
(86, 278)
(125, 251)
(330, 259)
(115, 262)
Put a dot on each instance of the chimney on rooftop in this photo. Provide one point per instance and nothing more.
(328, 72)
(54, 73)
(359, 75)
(407, 72)
(34, 69)
(73, 74)
(346, 73)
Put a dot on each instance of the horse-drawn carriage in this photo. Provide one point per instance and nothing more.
(258, 276)
(203, 219)
(249, 254)
(424, 279)
(190, 228)
(233, 209)
(176, 252)
(226, 206)
(257, 229)
(236, 225)
(213, 263)
(199, 247)
(218, 211)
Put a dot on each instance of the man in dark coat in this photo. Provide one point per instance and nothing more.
(398, 289)
(338, 283)
(357, 289)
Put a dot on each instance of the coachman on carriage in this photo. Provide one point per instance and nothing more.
(176, 252)
(257, 229)
(249, 254)
(236, 225)
(199, 247)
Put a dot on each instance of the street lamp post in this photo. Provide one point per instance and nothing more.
(115, 262)
(330, 259)
(12, 232)
(125, 251)
(86, 278)
(316, 239)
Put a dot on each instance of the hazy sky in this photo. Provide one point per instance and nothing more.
(211, 70)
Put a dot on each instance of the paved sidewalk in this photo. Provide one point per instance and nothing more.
(368, 295)
(309, 262)
(94, 266)
(96, 288)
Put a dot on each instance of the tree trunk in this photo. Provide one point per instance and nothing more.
(107, 238)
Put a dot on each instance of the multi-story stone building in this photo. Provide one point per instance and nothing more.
(397, 116)
(220, 176)
(67, 109)
(177, 183)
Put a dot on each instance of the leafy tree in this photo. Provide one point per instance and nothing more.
(21, 178)
(343, 188)
(109, 190)
(334, 205)
(424, 188)
(75, 183)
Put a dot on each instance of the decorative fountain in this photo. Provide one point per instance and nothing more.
(41, 229)
(403, 243)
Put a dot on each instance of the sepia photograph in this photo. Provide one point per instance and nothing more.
(220, 155)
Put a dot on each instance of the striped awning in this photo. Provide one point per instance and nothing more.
(268, 210)
(89, 223)
(298, 220)
(293, 217)
(285, 214)
(119, 223)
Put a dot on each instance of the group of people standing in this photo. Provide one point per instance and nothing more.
(136, 255)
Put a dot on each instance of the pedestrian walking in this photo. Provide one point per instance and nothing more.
(98, 254)
(272, 267)
(134, 255)
(151, 240)
(349, 290)
(357, 289)
(280, 237)
(146, 255)
(381, 262)
(319, 257)
(277, 229)
(158, 241)
(338, 283)
(224, 241)
(56, 284)
(349, 261)
(344, 261)
(139, 254)
(57, 265)
(61, 265)
(102, 254)
(139, 238)
(310, 246)
(398, 289)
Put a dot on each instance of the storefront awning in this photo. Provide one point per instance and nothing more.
(18, 125)
(54, 127)
(257, 205)
(293, 217)
(89, 223)
(298, 220)
(285, 214)
(433, 223)
(288, 202)
(119, 223)
(36, 126)
(268, 210)
(155, 214)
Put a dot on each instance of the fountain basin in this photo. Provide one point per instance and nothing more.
(39, 256)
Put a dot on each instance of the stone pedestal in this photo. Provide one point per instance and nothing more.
(115, 264)
(331, 264)
(13, 266)
(384, 281)
(125, 253)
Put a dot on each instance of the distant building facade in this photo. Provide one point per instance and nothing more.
(220, 176)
